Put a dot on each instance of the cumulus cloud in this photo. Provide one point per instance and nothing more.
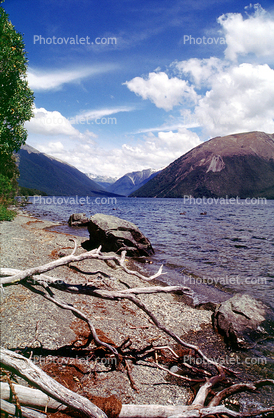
(254, 35)
(53, 123)
(52, 148)
(221, 96)
(240, 99)
(227, 97)
(200, 71)
(154, 151)
(50, 123)
(164, 92)
(161, 150)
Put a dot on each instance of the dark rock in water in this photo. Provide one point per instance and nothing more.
(243, 320)
(115, 234)
(78, 219)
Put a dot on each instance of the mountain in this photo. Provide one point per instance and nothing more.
(53, 176)
(235, 165)
(132, 181)
(103, 181)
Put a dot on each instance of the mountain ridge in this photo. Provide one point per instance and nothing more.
(130, 182)
(240, 165)
(53, 176)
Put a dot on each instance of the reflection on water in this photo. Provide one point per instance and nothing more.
(231, 247)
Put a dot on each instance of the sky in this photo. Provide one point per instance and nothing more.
(127, 85)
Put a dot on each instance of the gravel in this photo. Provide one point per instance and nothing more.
(29, 320)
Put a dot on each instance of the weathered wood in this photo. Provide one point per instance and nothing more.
(239, 387)
(188, 411)
(26, 412)
(93, 254)
(30, 397)
(38, 377)
(130, 295)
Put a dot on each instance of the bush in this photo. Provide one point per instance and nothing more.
(6, 214)
(8, 189)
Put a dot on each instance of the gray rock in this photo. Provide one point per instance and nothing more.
(242, 320)
(115, 234)
(78, 219)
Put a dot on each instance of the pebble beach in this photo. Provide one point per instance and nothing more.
(32, 323)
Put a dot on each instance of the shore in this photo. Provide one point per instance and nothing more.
(30, 322)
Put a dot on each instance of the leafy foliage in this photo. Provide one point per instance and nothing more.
(16, 101)
(6, 214)
(16, 98)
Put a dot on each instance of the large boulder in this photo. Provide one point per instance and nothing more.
(115, 234)
(78, 219)
(243, 320)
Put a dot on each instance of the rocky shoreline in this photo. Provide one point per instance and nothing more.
(31, 323)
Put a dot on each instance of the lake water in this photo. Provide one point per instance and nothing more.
(229, 249)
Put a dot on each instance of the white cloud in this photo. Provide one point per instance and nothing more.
(159, 151)
(200, 71)
(240, 99)
(45, 122)
(232, 97)
(52, 148)
(49, 123)
(164, 92)
(99, 113)
(254, 35)
(53, 80)
(152, 152)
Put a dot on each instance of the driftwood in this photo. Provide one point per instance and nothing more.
(116, 295)
(10, 409)
(31, 397)
(58, 397)
(33, 374)
(93, 254)
(36, 398)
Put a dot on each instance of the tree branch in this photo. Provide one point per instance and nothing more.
(93, 254)
(38, 377)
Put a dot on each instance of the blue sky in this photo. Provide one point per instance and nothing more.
(128, 85)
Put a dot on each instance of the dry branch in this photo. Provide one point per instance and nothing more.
(10, 409)
(33, 398)
(33, 374)
(79, 314)
(28, 396)
(128, 294)
(93, 254)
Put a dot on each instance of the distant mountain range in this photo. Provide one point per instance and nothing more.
(54, 177)
(235, 165)
(131, 182)
(103, 181)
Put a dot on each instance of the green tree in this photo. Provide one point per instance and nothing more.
(16, 101)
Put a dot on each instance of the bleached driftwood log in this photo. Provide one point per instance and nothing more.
(34, 398)
(10, 409)
(33, 374)
(93, 254)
